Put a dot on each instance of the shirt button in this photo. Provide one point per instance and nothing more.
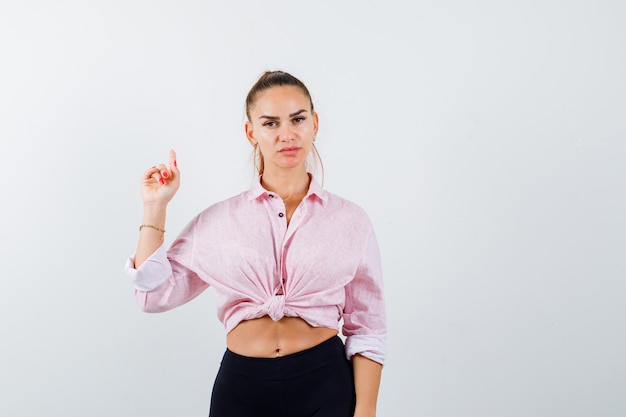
(280, 214)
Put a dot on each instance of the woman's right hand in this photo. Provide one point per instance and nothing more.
(160, 183)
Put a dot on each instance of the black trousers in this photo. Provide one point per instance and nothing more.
(317, 382)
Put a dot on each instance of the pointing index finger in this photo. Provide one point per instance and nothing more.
(173, 163)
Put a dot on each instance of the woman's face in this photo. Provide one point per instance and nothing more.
(282, 126)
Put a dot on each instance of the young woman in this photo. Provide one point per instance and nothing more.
(288, 261)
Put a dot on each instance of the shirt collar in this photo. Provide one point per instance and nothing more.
(315, 189)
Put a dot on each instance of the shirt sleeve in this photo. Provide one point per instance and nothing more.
(163, 283)
(364, 317)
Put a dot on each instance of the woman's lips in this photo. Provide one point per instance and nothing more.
(290, 150)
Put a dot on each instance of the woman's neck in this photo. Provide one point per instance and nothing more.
(287, 184)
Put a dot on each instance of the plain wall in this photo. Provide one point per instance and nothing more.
(486, 140)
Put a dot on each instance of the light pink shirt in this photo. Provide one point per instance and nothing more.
(323, 267)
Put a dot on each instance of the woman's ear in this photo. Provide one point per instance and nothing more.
(250, 134)
(315, 123)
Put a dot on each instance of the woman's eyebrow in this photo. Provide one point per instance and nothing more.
(278, 118)
(297, 113)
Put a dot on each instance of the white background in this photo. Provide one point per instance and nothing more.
(486, 139)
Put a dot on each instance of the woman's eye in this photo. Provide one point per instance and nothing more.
(299, 119)
(269, 123)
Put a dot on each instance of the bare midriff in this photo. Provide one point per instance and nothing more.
(266, 338)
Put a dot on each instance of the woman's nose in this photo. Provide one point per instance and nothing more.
(286, 133)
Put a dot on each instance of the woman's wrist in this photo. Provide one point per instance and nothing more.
(362, 412)
(154, 215)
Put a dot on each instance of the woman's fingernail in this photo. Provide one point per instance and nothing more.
(161, 181)
(165, 174)
(175, 164)
(153, 166)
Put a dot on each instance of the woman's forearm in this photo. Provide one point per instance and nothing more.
(367, 375)
(150, 238)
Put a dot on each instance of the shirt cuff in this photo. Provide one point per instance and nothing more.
(371, 346)
(152, 273)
